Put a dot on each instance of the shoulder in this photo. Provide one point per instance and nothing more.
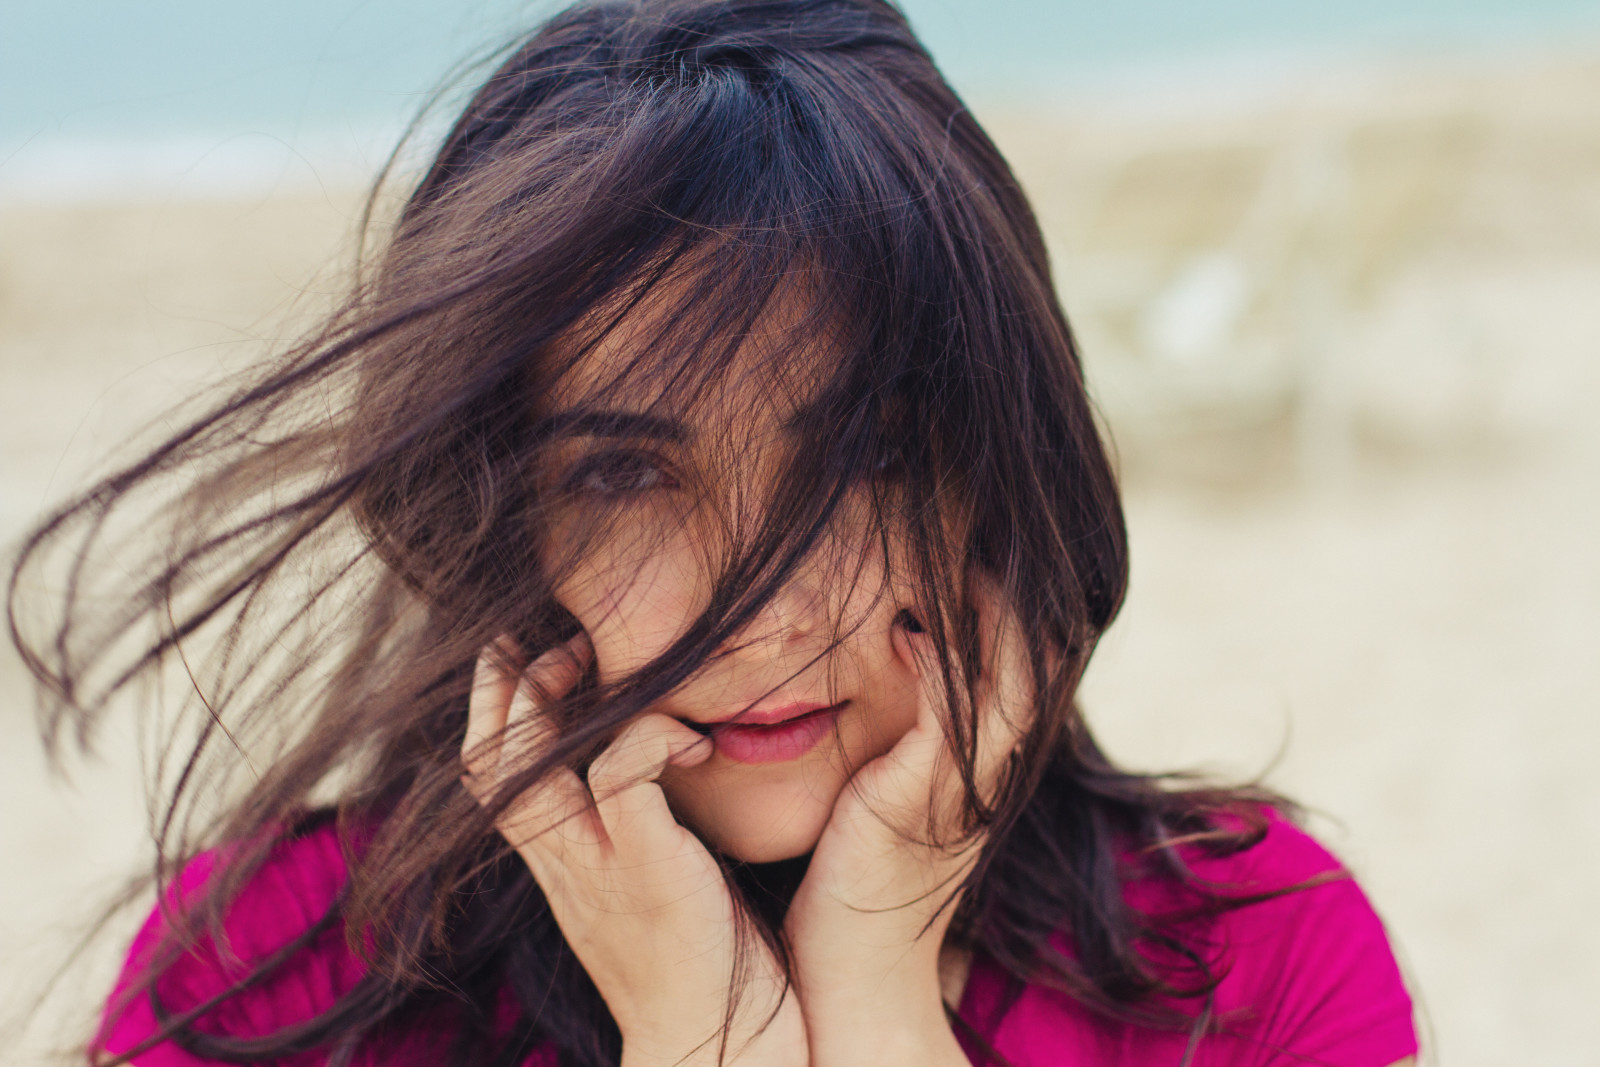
(1280, 875)
(278, 960)
(279, 933)
(1303, 967)
(1307, 966)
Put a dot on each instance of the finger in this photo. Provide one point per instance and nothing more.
(623, 778)
(493, 699)
(529, 728)
(555, 674)
(915, 781)
(493, 684)
(923, 744)
(552, 823)
(1005, 689)
(554, 811)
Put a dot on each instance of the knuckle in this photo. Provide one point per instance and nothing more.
(601, 784)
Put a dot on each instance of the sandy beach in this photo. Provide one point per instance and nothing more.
(1342, 334)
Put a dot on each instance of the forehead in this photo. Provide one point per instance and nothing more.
(671, 354)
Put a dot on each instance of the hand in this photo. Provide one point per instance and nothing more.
(868, 922)
(636, 895)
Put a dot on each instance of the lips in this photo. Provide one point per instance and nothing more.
(774, 736)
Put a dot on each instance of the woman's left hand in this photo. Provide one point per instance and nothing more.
(868, 922)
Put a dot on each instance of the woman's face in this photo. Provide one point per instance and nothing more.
(815, 682)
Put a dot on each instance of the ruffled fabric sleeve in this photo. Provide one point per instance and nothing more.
(284, 902)
(286, 899)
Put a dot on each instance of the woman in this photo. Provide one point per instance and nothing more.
(647, 620)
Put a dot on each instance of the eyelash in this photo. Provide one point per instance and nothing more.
(591, 474)
(588, 475)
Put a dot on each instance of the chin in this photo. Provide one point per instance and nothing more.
(765, 829)
(770, 848)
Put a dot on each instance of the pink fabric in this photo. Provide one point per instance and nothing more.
(1310, 976)
(1310, 979)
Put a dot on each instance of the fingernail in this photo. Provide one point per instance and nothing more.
(695, 752)
(581, 648)
(910, 646)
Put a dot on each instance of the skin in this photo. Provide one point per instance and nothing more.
(636, 893)
(826, 637)
(620, 855)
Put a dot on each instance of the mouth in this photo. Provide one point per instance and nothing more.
(775, 736)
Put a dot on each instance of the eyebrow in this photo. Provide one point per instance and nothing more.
(809, 415)
(804, 417)
(590, 422)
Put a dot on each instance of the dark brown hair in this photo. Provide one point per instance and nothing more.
(344, 532)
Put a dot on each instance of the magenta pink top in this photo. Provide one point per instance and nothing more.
(1310, 977)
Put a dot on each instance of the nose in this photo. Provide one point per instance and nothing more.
(796, 614)
(802, 613)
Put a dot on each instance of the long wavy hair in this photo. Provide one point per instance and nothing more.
(317, 559)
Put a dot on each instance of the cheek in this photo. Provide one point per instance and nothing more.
(634, 597)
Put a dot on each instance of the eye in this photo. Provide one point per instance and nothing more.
(618, 473)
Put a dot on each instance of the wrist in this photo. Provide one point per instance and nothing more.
(909, 1027)
(757, 1040)
(909, 1042)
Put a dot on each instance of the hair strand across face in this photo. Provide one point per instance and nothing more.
(334, 544)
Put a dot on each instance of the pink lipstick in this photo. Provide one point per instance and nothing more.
(775, 736)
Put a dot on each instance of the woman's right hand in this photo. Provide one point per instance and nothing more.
(637, 896)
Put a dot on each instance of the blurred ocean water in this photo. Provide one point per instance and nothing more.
(92, 85)
(1235, 191)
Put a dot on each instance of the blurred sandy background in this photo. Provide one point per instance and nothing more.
(1344, 334)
